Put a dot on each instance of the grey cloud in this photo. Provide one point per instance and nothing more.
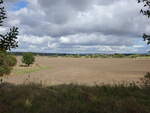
(72, 4)
(95, 39)
(63, 19)
(118, 21)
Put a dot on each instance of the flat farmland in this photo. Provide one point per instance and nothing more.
(87, 71)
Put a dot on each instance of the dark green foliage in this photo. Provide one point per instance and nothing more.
(146, 12)
(2, 13)
(8, 40)
(28, 58)
(7, 61)
(4, 70)
(146, 38)
(146, 5)
(74, 99)
(12, 61)
(4, 67)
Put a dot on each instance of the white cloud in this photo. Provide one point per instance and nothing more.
(81, 25)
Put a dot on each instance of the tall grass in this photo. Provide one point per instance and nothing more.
(72, 98)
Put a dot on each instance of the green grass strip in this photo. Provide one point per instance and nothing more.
(28, 70)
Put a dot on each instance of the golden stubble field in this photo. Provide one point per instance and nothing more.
(88, 71)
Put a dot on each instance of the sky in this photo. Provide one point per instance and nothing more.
(78, 26)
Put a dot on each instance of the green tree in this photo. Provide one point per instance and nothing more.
(7, 42)
(28, 58)
(145, 11)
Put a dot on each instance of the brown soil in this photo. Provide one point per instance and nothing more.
(82, 71)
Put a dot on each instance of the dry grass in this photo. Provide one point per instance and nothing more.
(54, 71)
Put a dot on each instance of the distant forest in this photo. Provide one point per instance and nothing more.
(96, 55)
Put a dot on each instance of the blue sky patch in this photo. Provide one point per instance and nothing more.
(19, 5)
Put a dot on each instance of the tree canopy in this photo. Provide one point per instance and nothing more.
(28, 58)
(146, 12)
(8, 40)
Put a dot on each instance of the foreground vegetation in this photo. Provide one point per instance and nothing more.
(7, 61)
(123, 98)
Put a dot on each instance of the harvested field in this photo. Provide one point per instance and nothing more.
(89, 71)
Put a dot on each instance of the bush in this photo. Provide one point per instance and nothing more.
(146, 80)
(12, 61)
(7, 61)
(5, 70)
(28, 58)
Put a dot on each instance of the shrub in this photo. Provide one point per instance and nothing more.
(12, 61)
(4, 70)
(7, 61)
(146, 80)
(28, 58)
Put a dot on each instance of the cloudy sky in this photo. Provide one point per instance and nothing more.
(78, 26)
